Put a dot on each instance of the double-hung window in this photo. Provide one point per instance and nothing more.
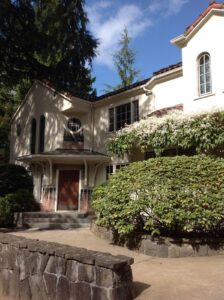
(205, 85)
(123, 115)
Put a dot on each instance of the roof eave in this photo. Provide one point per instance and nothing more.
(183, 39)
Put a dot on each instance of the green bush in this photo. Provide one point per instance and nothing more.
(13, 178)
(16, 193)
(167, 195)
(20, 201)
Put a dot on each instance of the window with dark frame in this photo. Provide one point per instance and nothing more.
(119, 166)
(109, 171)
(135, 111)
(41, 134)
(172, 152)
(33, 136)
(111, 119)
(74, 132)
(123, 115)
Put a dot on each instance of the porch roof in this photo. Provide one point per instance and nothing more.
(65, 155)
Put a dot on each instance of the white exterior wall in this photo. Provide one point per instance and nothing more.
(43, 101)
(101, 115)
(207, 39)
(168, 93)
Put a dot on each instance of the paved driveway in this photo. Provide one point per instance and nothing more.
(192, 278)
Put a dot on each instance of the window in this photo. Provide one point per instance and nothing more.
(172, 152)
(135, 111)
(109, 171)
(33, 136)
(205, 85)
(74, 131)
(119, 166)
(41, 133)
(111, 119)
(123, 115)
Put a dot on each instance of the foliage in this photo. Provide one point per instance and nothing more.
(46, 40)
(124, 60)
(203, 131)
(20, 201)
(13, 178)
(16, 192)
(166, 195)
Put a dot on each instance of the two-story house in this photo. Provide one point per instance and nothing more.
(61, 137)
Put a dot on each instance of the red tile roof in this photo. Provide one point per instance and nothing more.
(163, 111)
(212, 5)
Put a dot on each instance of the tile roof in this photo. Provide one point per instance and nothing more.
(169, 68)
(163, 111)
(212, 5)
(94, 98)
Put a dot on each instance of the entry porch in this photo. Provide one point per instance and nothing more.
(64, 178)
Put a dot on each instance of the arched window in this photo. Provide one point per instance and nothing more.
(41, 133)
(205, 84)
(73, 131)
(33, 136)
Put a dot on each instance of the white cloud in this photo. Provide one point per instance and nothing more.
(107, 26)
(166, 8)
(108, 19)
(174, 6)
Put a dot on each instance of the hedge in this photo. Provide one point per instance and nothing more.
(16, 192)
(167, 195)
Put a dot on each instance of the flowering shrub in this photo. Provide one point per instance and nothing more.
(165, 195)
(203, 131)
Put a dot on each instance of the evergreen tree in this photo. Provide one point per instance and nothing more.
(124, 60)
(42, 39)
(46, 40)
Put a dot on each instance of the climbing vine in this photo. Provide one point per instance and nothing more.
(204, 131)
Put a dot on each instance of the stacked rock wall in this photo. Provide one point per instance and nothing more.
(32, 269)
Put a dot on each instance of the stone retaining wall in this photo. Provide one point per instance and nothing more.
(168, 247)
(38, 270)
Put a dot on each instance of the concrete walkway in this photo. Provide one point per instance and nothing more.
(192, 278)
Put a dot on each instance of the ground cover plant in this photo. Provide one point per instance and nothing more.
(167, 195)
(16, 192)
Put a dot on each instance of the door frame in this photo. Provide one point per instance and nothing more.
(57, 183)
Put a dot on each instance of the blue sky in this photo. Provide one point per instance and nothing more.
(151, 25)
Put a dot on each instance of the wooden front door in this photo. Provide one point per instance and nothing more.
(68, 189)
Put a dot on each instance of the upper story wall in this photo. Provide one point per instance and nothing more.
(168, 93)
(42, 101)
(208, 39)
(101, 113)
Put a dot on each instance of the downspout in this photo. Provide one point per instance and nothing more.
(95, 172)
(149, 93)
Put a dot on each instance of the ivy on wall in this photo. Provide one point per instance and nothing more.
(204, 131)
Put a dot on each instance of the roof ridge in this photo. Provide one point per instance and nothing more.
(212, 5)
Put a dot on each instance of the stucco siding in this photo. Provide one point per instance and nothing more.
(207, 39)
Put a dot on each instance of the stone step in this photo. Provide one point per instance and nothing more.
(56, 220)
(55, 215)
(57, 225)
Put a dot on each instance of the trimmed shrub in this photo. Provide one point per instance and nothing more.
(20, 201)
(16, 193)
(167, 195)
(13, 178)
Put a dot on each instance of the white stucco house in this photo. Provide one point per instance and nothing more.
(61, 137)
